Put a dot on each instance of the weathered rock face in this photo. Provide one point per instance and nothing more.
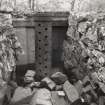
(9, 50)
(85, 47)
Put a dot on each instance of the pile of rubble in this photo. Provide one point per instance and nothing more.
(84, 52)
(46, 92)
(54, 90)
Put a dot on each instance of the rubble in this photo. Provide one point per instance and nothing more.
(61, 93)
(70, 91)
(21, 95)
(51, 84)
(47, 92)
(59, 78)
(58, 100)
(59, 87)
(79, 86)
(42, 97)
(29, 76)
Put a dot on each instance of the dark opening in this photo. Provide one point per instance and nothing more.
(58, 36)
